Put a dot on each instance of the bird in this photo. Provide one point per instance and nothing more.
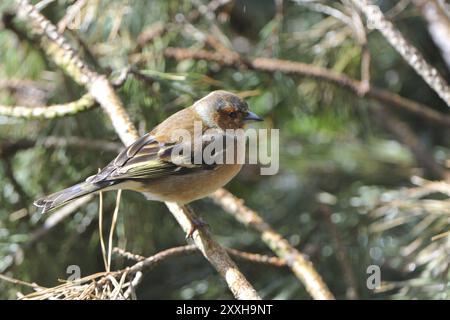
(148, 165)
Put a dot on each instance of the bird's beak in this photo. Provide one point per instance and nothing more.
(252, 117)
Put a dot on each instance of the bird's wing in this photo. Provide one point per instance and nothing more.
(147, 158)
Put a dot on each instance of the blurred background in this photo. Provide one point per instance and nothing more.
(355, 186)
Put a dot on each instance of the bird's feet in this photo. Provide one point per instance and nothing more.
(196, 223)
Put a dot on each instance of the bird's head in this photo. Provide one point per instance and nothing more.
(224, 110)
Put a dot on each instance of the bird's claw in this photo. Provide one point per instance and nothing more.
(196, 224)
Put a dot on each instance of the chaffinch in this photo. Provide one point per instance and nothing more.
(147, 164)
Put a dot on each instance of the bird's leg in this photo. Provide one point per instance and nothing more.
(196, 222)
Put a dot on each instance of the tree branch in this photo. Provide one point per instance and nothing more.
(438, 25)
(148, 263)
(192, 249)
(299, 68)
(214, 253)
(376, 20)
(301, 267)
(70, 15)
(86, 102)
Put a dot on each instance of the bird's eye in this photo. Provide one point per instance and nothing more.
(232, 115)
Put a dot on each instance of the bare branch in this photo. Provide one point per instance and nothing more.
(192, 249)
(71, 13)
(438, 25)
(19, 282)
(325, 9)
(376, 20)
(148, 263)
(86, 102)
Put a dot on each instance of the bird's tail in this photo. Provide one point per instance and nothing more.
(62, 197)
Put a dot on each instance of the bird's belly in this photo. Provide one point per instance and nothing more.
(189, 187)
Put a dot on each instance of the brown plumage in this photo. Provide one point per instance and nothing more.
(149, 165)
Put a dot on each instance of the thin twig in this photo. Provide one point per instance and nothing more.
(191, 249)
(148, 263)
(325, 9)
(19, 282)
(86, 102)
(131, 291)
(257, 258)
(376, 20)
(112, 228)
(438, 25)
(100, 230)
(127, 255)
(70, 15)
(427, 187)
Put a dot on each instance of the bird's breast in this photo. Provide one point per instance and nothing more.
(189, 187)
